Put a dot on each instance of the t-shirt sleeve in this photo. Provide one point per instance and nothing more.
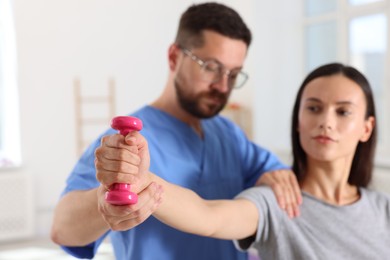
(269, 216)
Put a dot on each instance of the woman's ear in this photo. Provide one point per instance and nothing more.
(369, 125)
(173, 56)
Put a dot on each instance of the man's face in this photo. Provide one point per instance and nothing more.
(198, 96)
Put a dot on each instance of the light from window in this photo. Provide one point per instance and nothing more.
(362, 2)
(367, 46)
(317, 7)
(321, 44)
(9, 113)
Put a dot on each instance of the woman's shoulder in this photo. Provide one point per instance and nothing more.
(376, 198)
(374, 193)
(259, 193)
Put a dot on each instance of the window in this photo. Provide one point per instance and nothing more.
(321, 36)
(353, 32)
(9, 115)
(359, 2)
(367, 52)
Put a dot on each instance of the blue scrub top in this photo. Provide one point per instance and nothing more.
(219, 166)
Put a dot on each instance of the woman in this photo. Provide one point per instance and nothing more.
(333, 138)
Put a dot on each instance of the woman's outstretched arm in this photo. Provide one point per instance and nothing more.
(183, 209)
(180, 208)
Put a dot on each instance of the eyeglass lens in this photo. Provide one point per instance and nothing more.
(213, 72)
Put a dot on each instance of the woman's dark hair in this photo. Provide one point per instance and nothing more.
(363, 161)
(214, 17)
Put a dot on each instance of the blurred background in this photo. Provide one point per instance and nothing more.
(68, 66)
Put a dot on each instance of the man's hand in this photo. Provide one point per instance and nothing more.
(122, 159)
(286, 189)
(125, 160)
(121, 218)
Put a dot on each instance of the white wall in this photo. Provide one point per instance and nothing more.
(279, 70)
(58, 40)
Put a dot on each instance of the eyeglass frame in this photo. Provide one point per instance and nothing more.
(224, 70)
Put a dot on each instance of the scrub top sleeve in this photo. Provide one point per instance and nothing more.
(255, 159)
(83, 175)
(84, 252)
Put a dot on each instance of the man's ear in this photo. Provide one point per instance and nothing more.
(173, 56)
(369, 125)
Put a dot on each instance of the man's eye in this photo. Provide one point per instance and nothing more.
(212, 67)
(233, 75)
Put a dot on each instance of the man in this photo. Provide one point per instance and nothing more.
(190, 145)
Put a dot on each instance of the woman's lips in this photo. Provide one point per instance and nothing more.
(324, 139)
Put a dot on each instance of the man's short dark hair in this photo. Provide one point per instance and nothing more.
(214, 17)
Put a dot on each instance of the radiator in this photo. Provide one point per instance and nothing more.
(16, 206)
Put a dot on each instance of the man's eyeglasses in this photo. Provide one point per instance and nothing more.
(212, 71)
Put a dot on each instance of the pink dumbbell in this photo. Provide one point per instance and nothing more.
(119, 193)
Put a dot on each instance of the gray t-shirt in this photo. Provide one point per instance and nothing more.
(323, 231)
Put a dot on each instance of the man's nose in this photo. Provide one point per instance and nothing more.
(223, 83)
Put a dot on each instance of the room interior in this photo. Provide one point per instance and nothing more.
(78, 63)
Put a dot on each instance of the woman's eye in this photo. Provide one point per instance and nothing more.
(313, 108)
(343, 112)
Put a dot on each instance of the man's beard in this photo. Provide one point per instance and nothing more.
(192, 106)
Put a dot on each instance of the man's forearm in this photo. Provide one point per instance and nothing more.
(77, 221)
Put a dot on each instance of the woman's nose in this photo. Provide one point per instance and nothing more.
(323, 126)
(326, 121)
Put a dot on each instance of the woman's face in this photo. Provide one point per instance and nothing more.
(331, 119)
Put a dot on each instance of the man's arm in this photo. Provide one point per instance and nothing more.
(81, 217)
(77, 221)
